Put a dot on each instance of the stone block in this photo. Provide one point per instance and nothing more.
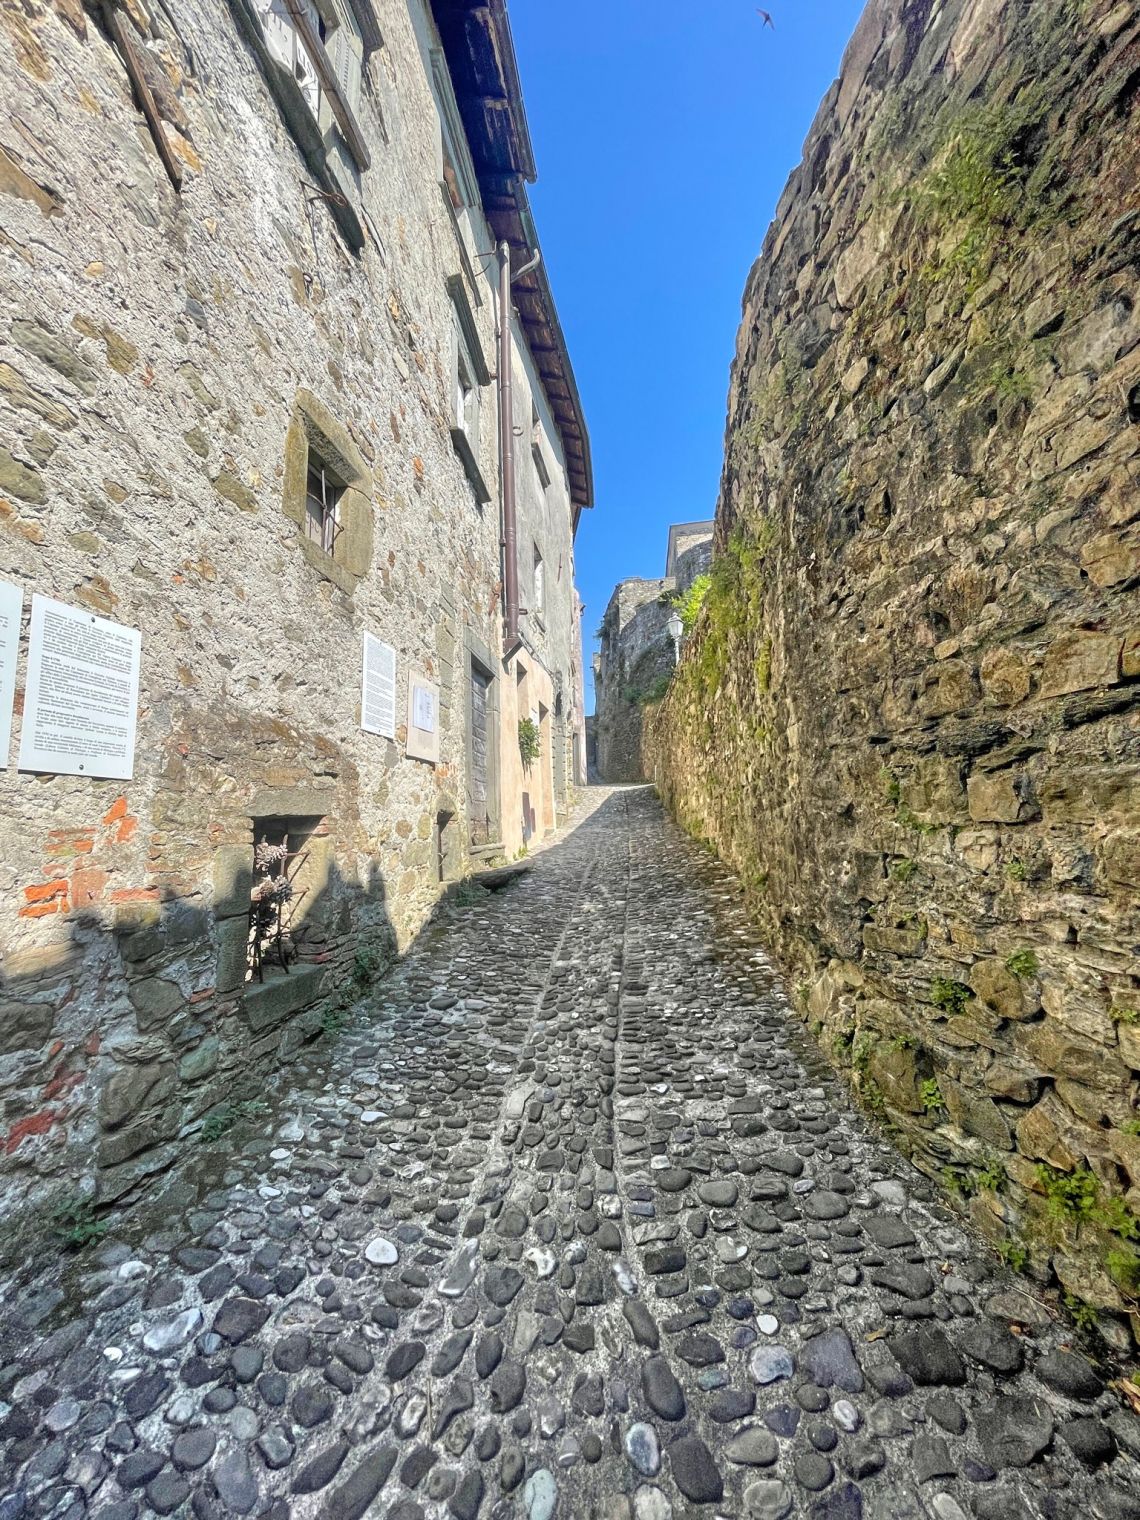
(1095, 1105)
(130, 1089)
(1079, 661)
(1130, 655)
(24, 1026)
(155, 1001)
(122, 1177)
(280, 996)
(201, 1061)
(1120, 858)
(123, 1144)
(1129, 1037)
(1055, 1051)
(1110, 559)
(1005, 677)
(233, 879)
(291, 802)
(894, 1068)
(934, 792)
(1000, 797)
(904, 941)
(233, 953)
(1005, 1080)
(1000, 990)
(1049, 1132)
(1080, 1008)
(949, 687)
(1091, 794)
(977, 1114)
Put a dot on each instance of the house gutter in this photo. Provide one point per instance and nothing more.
(509, 517)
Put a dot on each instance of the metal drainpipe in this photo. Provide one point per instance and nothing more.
(507, 450)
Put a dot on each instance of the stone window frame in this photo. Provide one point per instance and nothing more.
(315, 433)
(469, 372)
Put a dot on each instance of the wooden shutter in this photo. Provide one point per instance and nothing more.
(346, 49)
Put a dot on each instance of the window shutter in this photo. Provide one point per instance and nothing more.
(280, 38)
(347, 54)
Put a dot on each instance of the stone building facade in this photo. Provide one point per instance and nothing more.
(637, 653)
(910, 712)
(250, 385)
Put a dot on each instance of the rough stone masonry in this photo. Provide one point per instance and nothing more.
(910, 715)
(174, 367)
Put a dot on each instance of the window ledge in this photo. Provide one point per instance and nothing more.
(467, 454)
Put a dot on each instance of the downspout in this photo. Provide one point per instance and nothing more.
(509, 541)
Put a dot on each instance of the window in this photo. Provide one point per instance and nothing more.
(327, 494)
(281, 884)
(466, 399)
(322, 506)
(469, 372)
(321, 45)
(287, 48)
(539, 608)
(540, 469)
(456, 171)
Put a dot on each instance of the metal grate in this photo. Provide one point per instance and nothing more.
(322, 508)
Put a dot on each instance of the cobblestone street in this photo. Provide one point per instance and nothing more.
(567, 1222)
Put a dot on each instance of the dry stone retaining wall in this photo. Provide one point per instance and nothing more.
(910, 713)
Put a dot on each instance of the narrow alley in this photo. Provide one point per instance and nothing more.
(566, 1222)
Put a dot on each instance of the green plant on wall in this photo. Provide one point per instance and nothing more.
(223, 1118)
(949, 995)
(1013, 1253)
(1022, 963)
(931, 1095)
(981, 182)
(689, 603)
(530, 745)
(1074, 1198)
(73, 1222)
(645, 696)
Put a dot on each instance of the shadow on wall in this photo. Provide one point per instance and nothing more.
(118, 1041)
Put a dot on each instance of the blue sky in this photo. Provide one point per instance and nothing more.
(664, 132)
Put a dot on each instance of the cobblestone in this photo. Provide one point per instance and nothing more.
(568, 1222)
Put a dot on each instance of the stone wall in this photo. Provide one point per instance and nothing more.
(910, 712)
(166, 362)
(637, 659)
(638, 655)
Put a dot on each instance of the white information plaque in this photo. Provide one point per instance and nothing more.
(423, 709)
(423, 719)
(82, 696)
(378, 695)
(11, 611)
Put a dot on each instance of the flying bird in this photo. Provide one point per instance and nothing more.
(766, 18)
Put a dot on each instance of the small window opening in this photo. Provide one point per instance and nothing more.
(286, 46)
(280, 890)
(465, 397)
(539, 583)
(323, 492)
(451, 179)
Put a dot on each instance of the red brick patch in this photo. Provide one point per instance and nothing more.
(34, 1124)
